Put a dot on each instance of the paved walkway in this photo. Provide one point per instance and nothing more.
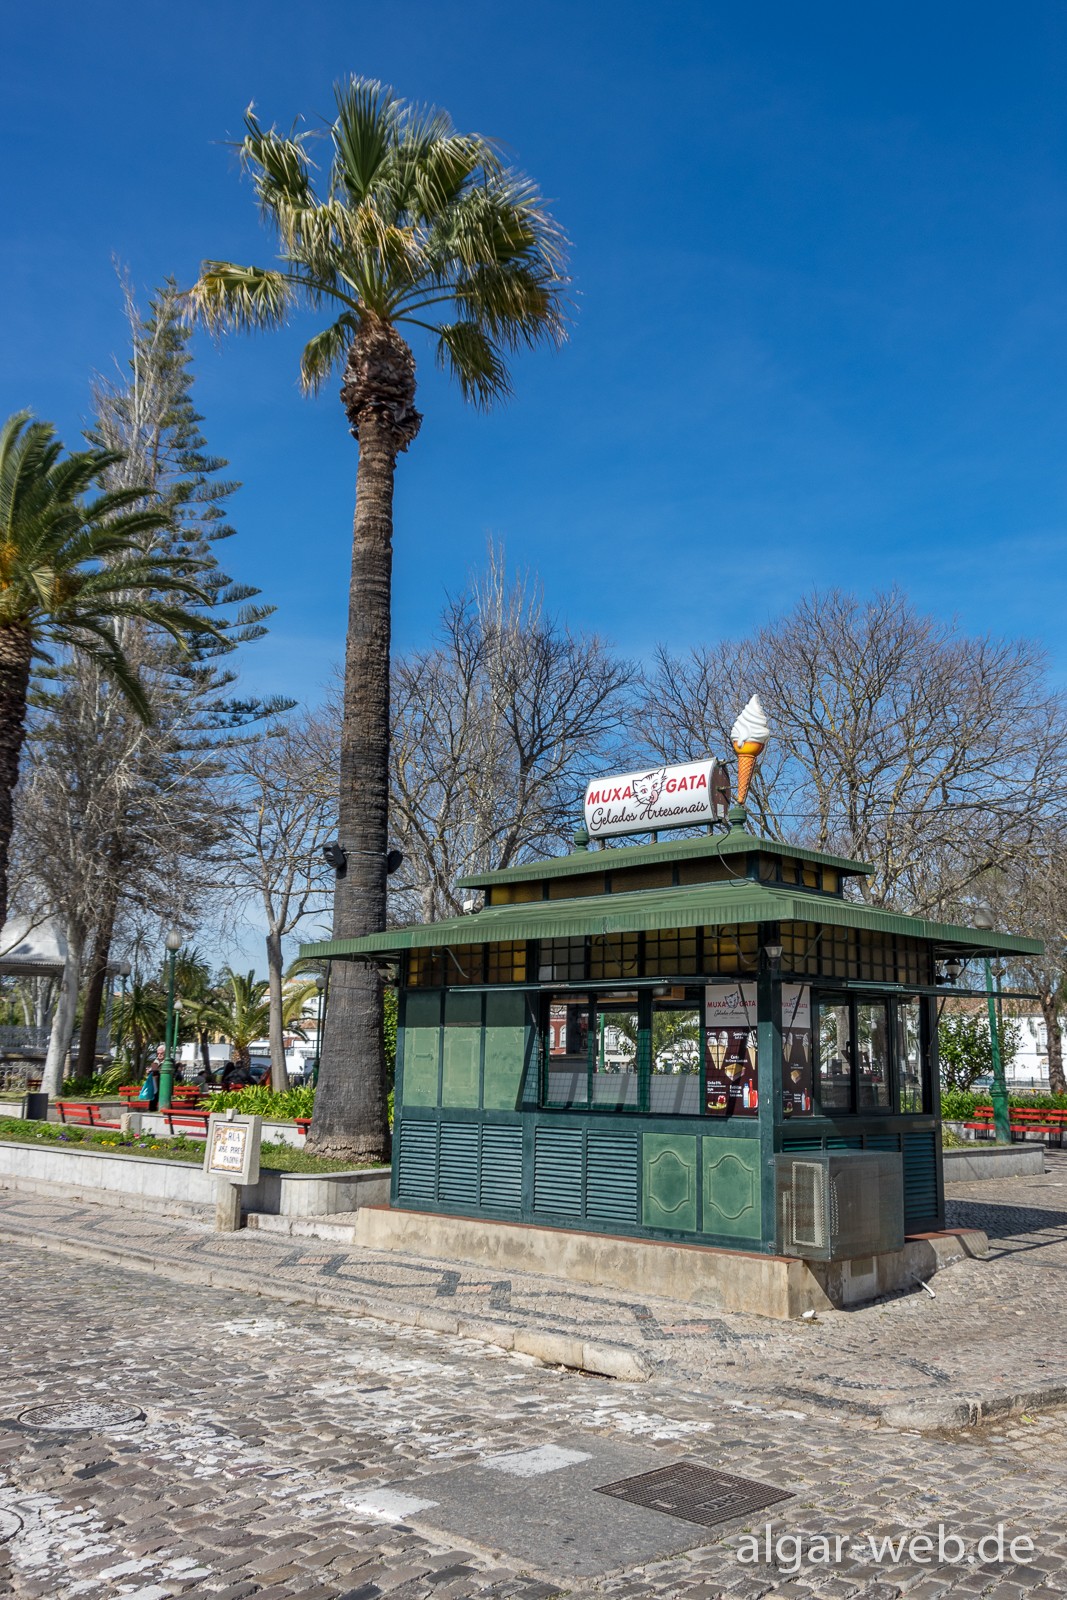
(272, 1450)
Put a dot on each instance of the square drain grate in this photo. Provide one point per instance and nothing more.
(695, 1493)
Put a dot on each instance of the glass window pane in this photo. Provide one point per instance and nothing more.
(567, 1051)
(872, 1048)
(617, 1053)
(909, 1056)
(835, 1058)
(674, 1080)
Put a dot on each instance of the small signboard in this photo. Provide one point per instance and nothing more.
(232, 1149)
(661, 797)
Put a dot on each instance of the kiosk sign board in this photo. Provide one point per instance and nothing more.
(232, 1151)
(660, 797)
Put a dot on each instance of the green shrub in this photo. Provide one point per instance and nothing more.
(965, 1048)
(959, 1105)
(280, 1105)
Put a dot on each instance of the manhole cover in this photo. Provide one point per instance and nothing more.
(696, 1494)
(93, 1416)
(9, 1525)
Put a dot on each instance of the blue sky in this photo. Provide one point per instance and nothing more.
(821, 318)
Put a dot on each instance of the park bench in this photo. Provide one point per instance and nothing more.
(83, 1114)
(194, 1122)
(303, 1124)
(1022, 1120)
(129, 1095)
(188, 1096)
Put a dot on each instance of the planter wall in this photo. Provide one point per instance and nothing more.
(174, 1188)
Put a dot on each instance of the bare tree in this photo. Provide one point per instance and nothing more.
(896, 739)
(495, 731)
(1029, 896)
(284, 799)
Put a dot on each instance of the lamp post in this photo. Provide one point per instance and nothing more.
(166, 1072)
(999, 1092)
(320, 984)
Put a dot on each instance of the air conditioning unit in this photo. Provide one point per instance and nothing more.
(833, 1205)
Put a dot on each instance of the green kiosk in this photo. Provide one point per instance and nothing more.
(703, 1041)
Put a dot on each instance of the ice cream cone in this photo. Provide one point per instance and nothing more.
(748, 753)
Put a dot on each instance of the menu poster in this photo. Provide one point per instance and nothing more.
(730, 1065)
(797, 1085)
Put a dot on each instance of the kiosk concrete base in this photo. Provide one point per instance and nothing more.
(726, 1280)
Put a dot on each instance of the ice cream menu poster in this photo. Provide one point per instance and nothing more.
(796, 1050)
(730, 1067)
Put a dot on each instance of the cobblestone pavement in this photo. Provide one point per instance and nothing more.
(161, 1437)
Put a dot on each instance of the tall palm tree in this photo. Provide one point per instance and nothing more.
(70, 571)
(139, 1020)
(242, 1011)
(418, 227)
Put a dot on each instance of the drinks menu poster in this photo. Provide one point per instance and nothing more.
(796, 1050)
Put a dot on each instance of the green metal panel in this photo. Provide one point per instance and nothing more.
(611, 1176)
(721, 904)
(559, 1169)
(669, 1162)
(732, 1199)
(505, 1050)
(920, 1181)
(736, 842)
(416, 1159)
(500, 1169)
(422, 1048)
(462, 1049)
(457, 1164)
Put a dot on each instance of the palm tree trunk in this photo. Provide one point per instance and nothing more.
(15, 654)
(351, 1105)
(279, 1076)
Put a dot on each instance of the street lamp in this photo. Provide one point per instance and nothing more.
(320, 984)
(166, 1072)
(983, 918)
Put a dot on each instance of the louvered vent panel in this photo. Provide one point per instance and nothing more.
(457, 1174)
(920, 1180)
(501, 1168)
(417, 1161)
(611, 1189)
(558, 1171)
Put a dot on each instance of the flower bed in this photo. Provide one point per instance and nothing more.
(273, 1157)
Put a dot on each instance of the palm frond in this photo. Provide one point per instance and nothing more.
(326, 351)
(467, 352)
(229, 296)
(369, 117)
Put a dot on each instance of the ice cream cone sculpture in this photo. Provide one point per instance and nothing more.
(749, 735)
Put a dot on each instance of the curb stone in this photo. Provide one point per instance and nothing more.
(551, 1349)
(967, 1410)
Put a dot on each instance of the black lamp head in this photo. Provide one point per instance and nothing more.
(335, 857)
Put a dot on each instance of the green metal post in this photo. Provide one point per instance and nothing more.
(999, 1093)
(166, 1071)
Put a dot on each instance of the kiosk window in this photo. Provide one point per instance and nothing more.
(674, 1079)
(617, 1055)
(835, 1058)
(567, 1051)
(872, 1045)
(909, 1056)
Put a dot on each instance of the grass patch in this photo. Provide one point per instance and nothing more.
(272, 1157)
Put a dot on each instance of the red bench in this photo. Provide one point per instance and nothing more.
(129, 1095)
(194, 1122)
(82, 1114)
(303, 1124)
